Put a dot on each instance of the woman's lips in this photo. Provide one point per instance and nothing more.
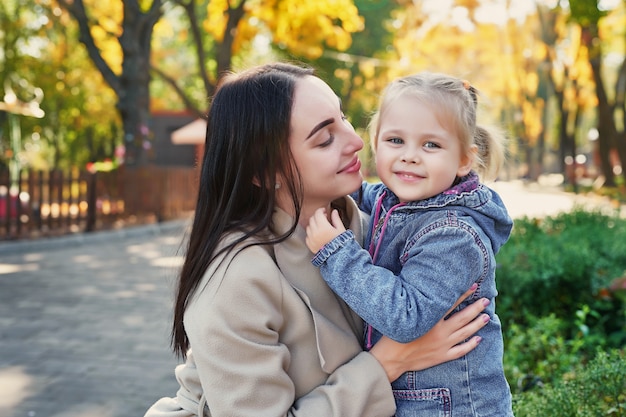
(354, 166)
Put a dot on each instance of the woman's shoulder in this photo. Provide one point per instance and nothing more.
(245, 259)
(244, 278)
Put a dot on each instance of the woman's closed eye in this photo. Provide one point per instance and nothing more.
(328, 141)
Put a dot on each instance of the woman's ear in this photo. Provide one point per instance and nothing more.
(279, 181)
(467, 161)
(256, 182)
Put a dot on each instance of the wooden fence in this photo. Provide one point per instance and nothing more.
(48, 203)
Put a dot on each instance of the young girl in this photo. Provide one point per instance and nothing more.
(435, 230)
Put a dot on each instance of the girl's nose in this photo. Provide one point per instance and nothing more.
(410, 156)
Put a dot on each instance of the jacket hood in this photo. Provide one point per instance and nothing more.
(472, 198)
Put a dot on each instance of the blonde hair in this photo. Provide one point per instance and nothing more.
(456, 102)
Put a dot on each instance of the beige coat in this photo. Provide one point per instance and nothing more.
(269, 338)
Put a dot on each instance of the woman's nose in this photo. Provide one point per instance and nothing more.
(355, 142)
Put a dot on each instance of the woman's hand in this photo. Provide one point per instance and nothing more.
(444, 342)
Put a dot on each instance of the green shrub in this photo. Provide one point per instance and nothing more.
(562, 296)
(598, 389)
(563, 266)
(538, 353)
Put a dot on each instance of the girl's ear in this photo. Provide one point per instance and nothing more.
(467, 161)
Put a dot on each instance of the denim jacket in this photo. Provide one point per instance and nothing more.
(422, 256)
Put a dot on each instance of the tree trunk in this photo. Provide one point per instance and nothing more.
(225, 48)
(606, 124)
(620, 145)
(132, 86)
(573, 150)
(134, 95)
(620, 140)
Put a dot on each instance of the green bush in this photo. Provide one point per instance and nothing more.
(560, 301)
(537, 354)
(563, 266)
(598, 389)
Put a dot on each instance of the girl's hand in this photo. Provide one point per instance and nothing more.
(320, 231)
(446, 341)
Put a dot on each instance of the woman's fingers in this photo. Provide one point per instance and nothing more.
(463, 348)
(462, 298)
(469, 320)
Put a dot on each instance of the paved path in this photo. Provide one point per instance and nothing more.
(540, 200)
(84, 323)
(84, 320)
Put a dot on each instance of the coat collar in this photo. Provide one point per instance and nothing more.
(336, 325)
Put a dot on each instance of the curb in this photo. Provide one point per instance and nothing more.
(77, 239)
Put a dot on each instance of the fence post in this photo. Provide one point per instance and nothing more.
(40, 192)
(91, 201)
(18, 204)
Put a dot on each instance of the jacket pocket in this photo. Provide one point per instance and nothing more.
(431, 402)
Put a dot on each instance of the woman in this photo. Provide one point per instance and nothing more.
(261, 332)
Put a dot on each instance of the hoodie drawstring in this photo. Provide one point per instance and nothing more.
(373, 251)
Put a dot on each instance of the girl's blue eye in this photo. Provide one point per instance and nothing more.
(431, 145)
(396, 141)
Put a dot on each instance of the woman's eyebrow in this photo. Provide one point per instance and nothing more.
(321, 125)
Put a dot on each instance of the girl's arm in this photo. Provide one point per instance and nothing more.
(444, 342)
(404, 305)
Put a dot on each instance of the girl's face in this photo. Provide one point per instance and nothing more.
(416, 156)
(324, 146)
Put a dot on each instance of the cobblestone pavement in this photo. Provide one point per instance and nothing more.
(84, 323)
(84, 320)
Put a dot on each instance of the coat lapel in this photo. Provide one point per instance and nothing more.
(338, 329)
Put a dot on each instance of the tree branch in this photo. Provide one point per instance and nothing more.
(172, 82)
(77, 9)
(225, 48)
(190, 10)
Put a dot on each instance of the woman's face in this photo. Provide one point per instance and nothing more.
(324, 145)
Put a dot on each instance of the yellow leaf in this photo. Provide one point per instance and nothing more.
(216, 22)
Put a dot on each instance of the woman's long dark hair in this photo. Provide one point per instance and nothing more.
(246, 147)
